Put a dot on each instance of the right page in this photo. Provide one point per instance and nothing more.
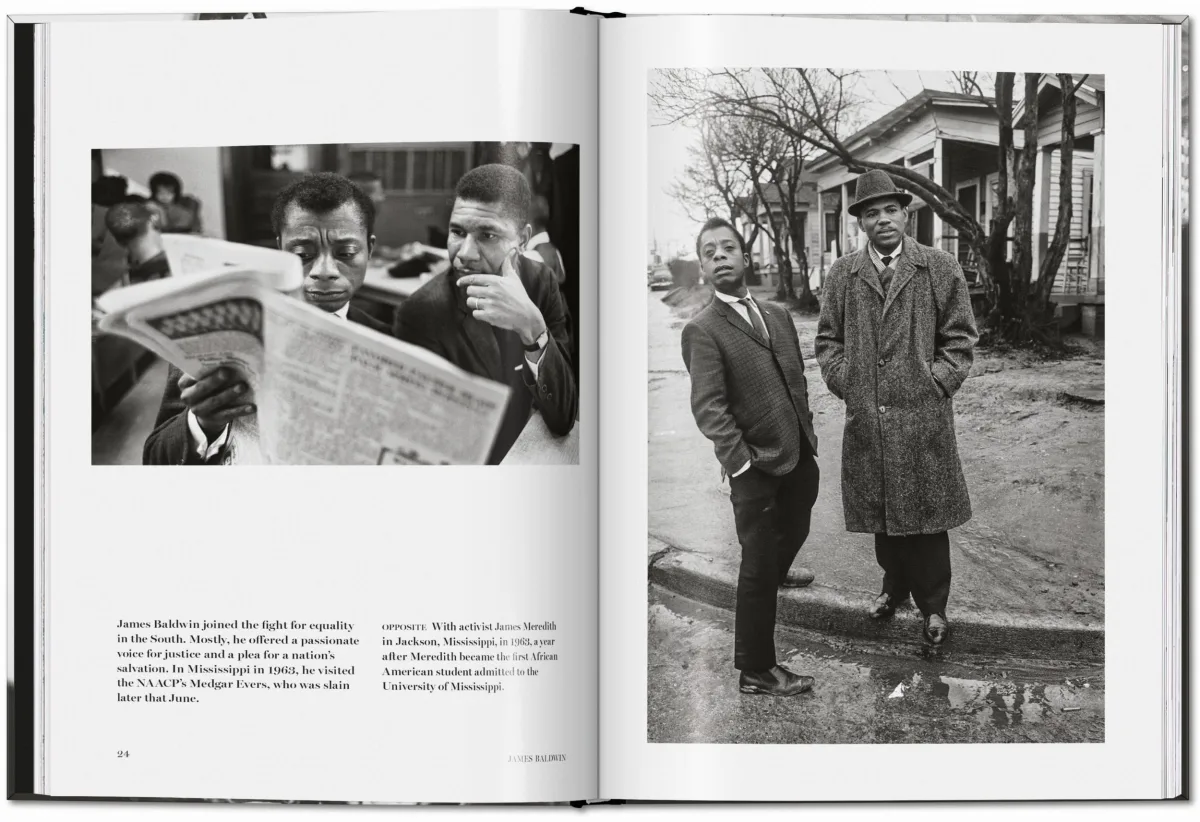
(857, 412)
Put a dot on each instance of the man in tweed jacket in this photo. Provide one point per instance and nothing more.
(750, 397)
(895, 341)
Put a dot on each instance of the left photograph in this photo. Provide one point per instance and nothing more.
(342, 304)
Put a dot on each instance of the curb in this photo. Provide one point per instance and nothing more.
(823, 609)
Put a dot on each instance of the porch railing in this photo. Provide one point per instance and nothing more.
(1075, 272)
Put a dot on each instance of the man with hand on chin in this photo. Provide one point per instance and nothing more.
(895, 341)
(497, 313)
(329, 223)
(750, 397)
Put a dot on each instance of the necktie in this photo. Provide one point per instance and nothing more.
(885, 276)
(755, 320)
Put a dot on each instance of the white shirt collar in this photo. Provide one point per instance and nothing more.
(894, 253)
(343, 311)
(538, 239)
(721, 295)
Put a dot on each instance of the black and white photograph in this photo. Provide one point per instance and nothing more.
(876, 439)
(373, 303)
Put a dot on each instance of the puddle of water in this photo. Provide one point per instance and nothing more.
(1006, 703)
(996, 703)
(937, 679)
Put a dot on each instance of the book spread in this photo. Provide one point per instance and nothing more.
(753, 371)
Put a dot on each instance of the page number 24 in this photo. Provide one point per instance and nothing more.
(122, 754)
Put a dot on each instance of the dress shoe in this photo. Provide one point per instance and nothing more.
(775, 682)
(798, 577)
(936, 629)
(885, 605)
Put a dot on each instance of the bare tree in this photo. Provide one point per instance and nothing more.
(807, 104)
(774, 158)
(711, 182)
(783, 170)
(1062, 228)
(722, 174)
(730, 157)
(762, 150)
(1022, 310)
(974, 83)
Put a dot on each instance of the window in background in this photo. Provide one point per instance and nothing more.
(420, 161)
(413, 169)
(290, 158)
(397, 177)
(831, 230)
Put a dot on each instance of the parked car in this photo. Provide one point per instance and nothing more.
(661, 279)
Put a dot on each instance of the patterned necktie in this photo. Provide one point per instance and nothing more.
(885, 276)
(755, 320)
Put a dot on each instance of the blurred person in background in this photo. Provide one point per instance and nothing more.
(182, 211)
(108, 258)
(133, 226)
(411, 259)
(540, 247)
(371, 185)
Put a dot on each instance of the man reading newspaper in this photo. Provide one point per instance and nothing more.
(329, 223)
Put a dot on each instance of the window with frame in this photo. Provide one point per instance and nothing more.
(831, 229)
(413, 169)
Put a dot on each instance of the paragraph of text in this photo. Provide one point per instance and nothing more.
(467, 658)
(185, 660)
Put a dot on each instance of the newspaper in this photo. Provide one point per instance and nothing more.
(328, 392)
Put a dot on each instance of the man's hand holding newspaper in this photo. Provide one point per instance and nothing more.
(300, 386)
(217, 396)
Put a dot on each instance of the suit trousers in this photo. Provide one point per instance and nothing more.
(918, 564)
(772, 515)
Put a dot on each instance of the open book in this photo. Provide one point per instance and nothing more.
(786, 339)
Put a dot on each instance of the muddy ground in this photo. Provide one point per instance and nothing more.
(1031, 439)
(864, 693)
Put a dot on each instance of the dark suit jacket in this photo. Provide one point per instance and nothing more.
(170, 443)
(748, 397)
(436, 317)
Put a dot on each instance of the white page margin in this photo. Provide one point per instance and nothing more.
(474, 542)
(1128, 56)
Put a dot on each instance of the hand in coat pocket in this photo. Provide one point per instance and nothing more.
(938, 391)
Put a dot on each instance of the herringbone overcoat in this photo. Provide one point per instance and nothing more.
(897, 358)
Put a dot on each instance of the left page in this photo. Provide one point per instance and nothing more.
(325, 632)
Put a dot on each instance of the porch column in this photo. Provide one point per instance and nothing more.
(1096, 247)
(1041, 199)
(821, 232)
(844, 240)
(937, 178)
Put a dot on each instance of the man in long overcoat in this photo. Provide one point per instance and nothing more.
(895, 342)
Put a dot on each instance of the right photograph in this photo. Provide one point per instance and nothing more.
(876, 406)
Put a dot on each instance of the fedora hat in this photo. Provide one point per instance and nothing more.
(874, 184)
